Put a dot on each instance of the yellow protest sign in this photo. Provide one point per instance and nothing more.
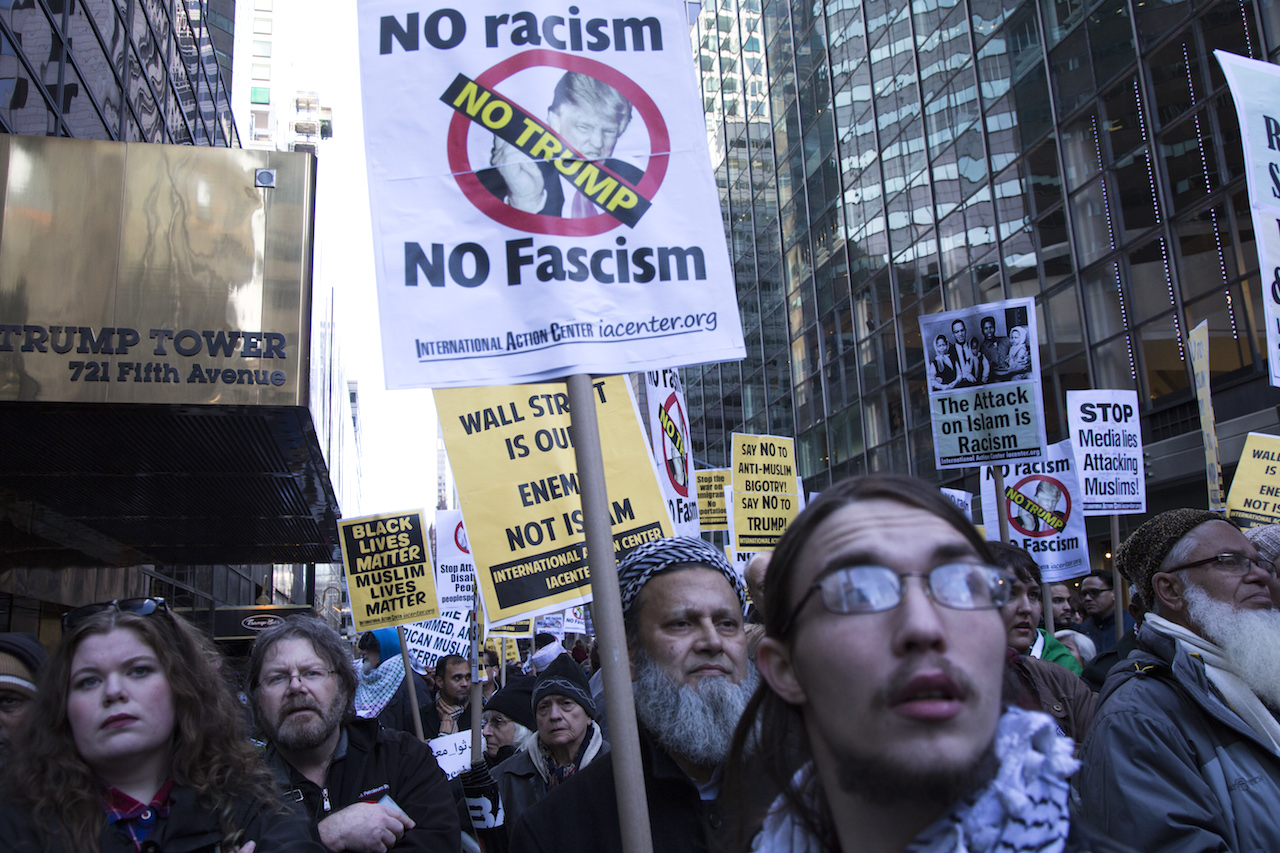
(1254, 498)
(765, 491)
(1198, 349)
(523, 628)
(511, 450)
(759, 520)
(495, 644)
(388, 565)
(763, 463)
(713, 514)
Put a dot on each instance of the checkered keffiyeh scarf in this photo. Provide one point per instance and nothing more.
(656, 557)
(1023, 809)
(376, 689)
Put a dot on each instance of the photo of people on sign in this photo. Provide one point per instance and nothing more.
(1042, 503)
(983, 367)
(547, 206)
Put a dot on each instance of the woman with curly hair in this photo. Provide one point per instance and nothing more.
(135, 744)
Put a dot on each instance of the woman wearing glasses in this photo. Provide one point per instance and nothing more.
(134, 744)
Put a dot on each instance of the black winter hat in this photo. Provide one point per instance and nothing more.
(563, 677)
(515, 701)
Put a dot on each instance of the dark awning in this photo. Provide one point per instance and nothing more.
(90, 484)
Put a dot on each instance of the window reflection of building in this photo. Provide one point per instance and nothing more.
(938, 154)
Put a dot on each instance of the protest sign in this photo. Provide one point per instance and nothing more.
(511, 450)
(550, 623)
(427, 642)
(984, 392)
(962, 499)
(389, 569)
(1198, 349)
(1106, 432)
(713, 513)
(452, 752)
(496, 644)
(1255, 87)
(1042, 502)
(1254, 498)
(765, 490)
(575, 620)
(672, 451)
(547, 206)
(522, 628)
(455, 572)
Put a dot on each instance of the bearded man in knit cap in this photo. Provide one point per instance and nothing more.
(682, 608)
(1184, 754)
(21, 660)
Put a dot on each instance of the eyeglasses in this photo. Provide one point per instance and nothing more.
(873, 589)
(1235, 564)
(496, 722)
(1094, 593)
(310, 678)
(137, 606)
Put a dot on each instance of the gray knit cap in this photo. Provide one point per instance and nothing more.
(1266, 539)
(653, 558)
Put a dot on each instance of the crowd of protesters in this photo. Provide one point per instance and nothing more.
(891, 684)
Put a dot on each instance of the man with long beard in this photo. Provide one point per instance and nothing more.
(682, 607)
(365, 789)
(1184, 753)
(882, 722)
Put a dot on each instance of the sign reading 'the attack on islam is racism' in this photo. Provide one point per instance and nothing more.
(540, 191)
(983, 367)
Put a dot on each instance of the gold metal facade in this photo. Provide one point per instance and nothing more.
(138, 273)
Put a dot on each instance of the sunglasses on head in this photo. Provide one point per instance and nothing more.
(138, 606)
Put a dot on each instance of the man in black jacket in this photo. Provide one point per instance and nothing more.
(365, 789)
(682, 607)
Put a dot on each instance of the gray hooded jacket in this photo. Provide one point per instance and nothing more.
(1168, 766)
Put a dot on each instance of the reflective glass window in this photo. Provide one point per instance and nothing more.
(1071, 72)
(1162, 344)
(1110, 39)
(1207, 260)
(1149, 282)
(1138, 203)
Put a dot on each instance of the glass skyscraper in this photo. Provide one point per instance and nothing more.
(880, 159)
(125, 70)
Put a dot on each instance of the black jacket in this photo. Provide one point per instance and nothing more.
(379, 762)
(431, 721)
(398, 714)
(190, 828)
(581, 814)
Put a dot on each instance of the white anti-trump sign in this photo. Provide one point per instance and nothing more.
(541, 191)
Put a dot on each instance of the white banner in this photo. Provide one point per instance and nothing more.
(575, 620)
(427, 642)
(983, 367)
(541, 191)
(962, 499)
(672, 450)
(1042, 502)
(551, 623)
(1106, 433)
(455, 570)
(1255, 87)
(452, 752)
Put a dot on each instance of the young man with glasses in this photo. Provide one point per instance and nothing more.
(1184, 753)
(1100, 608)
(364, 788)
(884, 654)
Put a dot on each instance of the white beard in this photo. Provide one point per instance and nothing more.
(695, 723)
(1248, 639)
